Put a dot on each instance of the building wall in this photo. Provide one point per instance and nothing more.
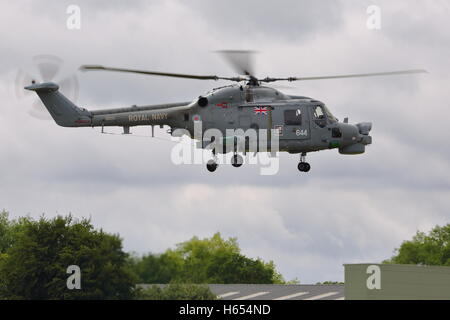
(396, 282)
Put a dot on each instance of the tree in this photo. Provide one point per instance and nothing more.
(34, 265)
(5, 241)
(209, 260)
(9, 230)
(329, 283)
(176, 291)
(162, 268)
(425, 249)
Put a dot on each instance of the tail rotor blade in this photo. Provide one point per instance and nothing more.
(48, 66)
(38, 111)
(69, 87)
(45, 68)
(23, 78)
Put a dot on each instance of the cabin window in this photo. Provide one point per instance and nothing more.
(186, 117)
(293, 117)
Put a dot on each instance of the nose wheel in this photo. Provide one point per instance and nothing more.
(303, 166)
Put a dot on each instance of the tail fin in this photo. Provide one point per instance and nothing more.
(62, 110)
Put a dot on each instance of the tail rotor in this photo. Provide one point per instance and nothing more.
(44, 68)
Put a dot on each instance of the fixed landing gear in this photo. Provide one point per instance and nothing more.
(212, 165)
(237, 161)
(303, 166)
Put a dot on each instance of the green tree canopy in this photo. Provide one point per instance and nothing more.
(425, 249)
(209, 260)
(9, 230)
(35, 259)
(176, 291)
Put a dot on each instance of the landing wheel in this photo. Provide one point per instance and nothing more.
(237, 161)
(211, 166)
(304, 167)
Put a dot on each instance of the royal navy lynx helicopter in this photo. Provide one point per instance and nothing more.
(301, 124)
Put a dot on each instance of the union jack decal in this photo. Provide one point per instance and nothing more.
(260, 110)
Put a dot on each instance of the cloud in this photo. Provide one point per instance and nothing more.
(348, 209)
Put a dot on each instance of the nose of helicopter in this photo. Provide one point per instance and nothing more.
(364, 129)
(356, 133)
(355, 137)
(350, 134)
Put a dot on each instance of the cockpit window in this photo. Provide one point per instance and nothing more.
(319, 116)
(318, 113)
(330, 116)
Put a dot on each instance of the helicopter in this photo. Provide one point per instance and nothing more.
(300, 124)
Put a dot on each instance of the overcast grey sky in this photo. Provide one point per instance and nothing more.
(348, 209)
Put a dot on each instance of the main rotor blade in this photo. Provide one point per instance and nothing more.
(357, 75)
(240, 60)
(157, 73)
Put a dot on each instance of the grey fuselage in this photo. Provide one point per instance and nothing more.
(303, 124)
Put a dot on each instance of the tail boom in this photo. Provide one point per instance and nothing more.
(63, 111)
(67, 114)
